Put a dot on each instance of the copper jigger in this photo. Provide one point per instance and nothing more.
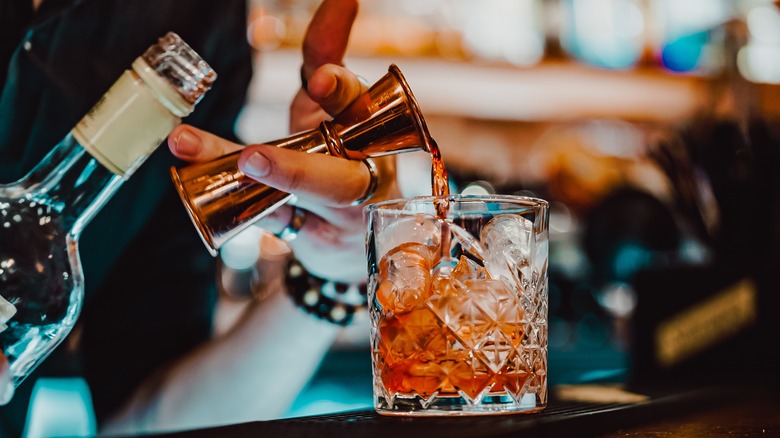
(222, 201)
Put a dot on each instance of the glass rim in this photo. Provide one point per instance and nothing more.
(384, 205)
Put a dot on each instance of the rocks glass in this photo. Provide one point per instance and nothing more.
(458, 304)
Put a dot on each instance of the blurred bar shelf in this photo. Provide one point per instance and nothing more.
(550, 91)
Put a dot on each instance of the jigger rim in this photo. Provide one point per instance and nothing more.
(203, 231)
(422, 127)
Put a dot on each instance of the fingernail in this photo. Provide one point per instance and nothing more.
(256, 166)
(324, 88)
(188, 143)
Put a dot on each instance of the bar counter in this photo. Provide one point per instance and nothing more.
(702, 412)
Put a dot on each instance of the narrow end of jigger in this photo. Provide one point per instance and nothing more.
(202, 230)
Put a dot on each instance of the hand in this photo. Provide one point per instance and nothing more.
(331, 242)
(6, 385)
(329, 88)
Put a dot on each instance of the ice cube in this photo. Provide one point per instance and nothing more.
(468, 242)
(404, 277)
(508, 240)
(468, 269)
(421, 228)
(449, 279)
(441, 283)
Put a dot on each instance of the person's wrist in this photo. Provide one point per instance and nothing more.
(337, 302)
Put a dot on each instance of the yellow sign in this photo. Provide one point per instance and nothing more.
(704, 325)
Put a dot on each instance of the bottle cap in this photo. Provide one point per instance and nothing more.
(186, 71)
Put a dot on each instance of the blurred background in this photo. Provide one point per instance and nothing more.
(650, 125)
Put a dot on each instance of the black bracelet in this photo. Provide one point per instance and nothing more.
(329, 300)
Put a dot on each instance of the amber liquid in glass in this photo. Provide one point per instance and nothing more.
(452, 337)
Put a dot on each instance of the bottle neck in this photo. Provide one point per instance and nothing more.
(106, 147)
(72, 182)
(130, 121)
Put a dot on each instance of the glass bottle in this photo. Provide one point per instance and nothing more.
(42, 215)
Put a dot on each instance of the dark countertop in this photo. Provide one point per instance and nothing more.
(711, 412)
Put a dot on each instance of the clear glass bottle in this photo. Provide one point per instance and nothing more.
(42, 215)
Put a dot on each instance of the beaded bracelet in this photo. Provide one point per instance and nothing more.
(329, 300)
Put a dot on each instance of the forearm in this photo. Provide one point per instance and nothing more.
(253, 372)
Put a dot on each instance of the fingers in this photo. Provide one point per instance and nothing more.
(194, 145)
(325, 44)
(305, 114)
(331, 89)
(325, 179)
(327, 36)
(321, 178)
(282, 223)
(334, 88)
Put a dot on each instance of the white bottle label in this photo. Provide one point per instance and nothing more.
(125, 126)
